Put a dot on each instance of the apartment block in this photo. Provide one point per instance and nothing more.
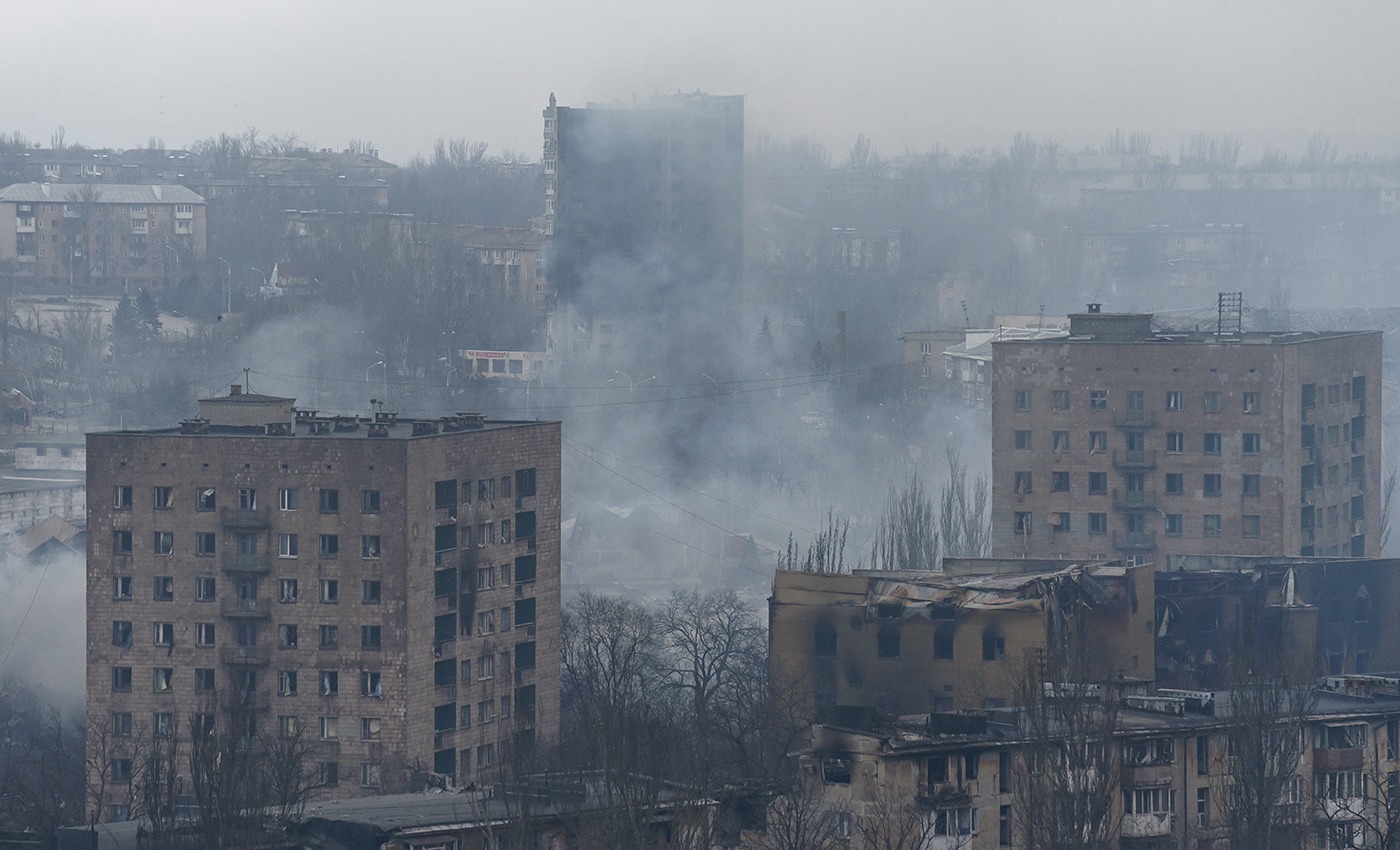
(1125, 440)
(388, 587)
(109, 238)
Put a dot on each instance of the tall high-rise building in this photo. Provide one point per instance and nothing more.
(387, 586)
(1122, 440)
(645, 201)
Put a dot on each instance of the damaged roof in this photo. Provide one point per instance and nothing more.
(925, 593)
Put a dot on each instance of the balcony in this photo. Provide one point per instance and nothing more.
(243, 518)
(1134, 419)
(1135, 459)
(951, 793)
(1135, 540)
(1134, 500)
(1331, 761)
(247, 562)
(1150, 825)
(246, 609)
(247, 656)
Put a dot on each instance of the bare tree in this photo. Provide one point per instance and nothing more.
(963, 520)
(800, 819)
(1360, 807)
(1392, 475)
(906, 537)
(1068, 776)
(891, 820)
(826, 554)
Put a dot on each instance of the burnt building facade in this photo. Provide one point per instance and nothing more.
(1126, 440)
(387, 588)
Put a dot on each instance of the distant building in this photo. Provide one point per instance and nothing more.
(645, 195)
(390, 586)
(924, 369)
(1126, 440)
(968, 364)
(110, 238)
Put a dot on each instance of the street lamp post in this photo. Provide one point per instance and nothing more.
(228, 286)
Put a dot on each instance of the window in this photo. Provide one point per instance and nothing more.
(164, 498)
(328, 774)
(287, 499)
(1022, 481)
(485, 578)
(1098, 399)
(1098, 483)
(330, 636)
(957, 821)
(247, 499)
(1004, 826)
(485, 711)
(205, 544)
(1249, 443)
(943, 645)
(993, 648)
(1210, 484)
(164, 588)
(121, 542)
(164, 543)
(486, 489)
(1023, 401)
(121, 724)
(370, 590)
(330, 591)
(1173, 524)
(1249, 485)
(203, 634)
(162, 679)
(887, 642)
(1175, 483)
(1149, 801)
(286, 545)
(485, 667)
(1059, 441)
(330, 501)
(445, 538)
(1250, 402)
(444, 494)
(329, 728)
(1249, 525)
(369, 546)
(330, 545)
(486, 623)
(369, 501)
(1059, 482)
(1098, 441)
(121, 633)
(287, 590)
(329, 681)
(1210, 402)
(524, 483)
(370, 638)
(1210, 525)
(121, 587)
(1176, 442)
(1023, 441)
(824, 639)
(1021, 522)
(1098, 523)
(287, 683)
(1210, 443)
(371, 684)
(121, 497)
(287, 725)
(1176, 400)
(1059, 522)
(121, 679)
(1059, 400)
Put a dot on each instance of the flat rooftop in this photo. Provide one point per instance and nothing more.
(382, 427)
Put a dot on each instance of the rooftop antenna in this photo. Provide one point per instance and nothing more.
(1229, 314)
(967, 320)
(1040, 318)
(247, 386)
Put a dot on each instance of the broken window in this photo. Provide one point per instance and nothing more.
(1059, 482)
(1210, 443)
(1098, 441)
(1059, 400)
(1098, 399)
(887, 642)
(1249, 525)
(1176, 442)
(1098, 523)
(993, 648)
(1210, 402)
(1172, 524)
(164, 498)
(1250, 443)
(1098, 483)
(1021, 522)
(1210, 525)
(1023, 441)
(1210, 484)
(1250, 402)
(1176, 400)
(1021, 482)
(1023, 401)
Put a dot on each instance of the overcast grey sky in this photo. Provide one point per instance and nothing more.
(910, 74)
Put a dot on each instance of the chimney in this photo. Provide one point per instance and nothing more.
(235, 389)
(1095, 308)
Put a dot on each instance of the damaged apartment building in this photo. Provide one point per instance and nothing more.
(1128, 440)
(386, 587)
(911, 641)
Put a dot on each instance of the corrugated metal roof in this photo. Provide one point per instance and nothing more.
(105, 193)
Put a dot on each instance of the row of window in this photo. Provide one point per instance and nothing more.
(1136, 400)
(206, 589)
(163, 681)
(206, 544)
(487, 489)
(1174, 483)
(327, 774)
(205, 634)
(1212, 442)
(1173, 525)
(206, 499)
(450, 716)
